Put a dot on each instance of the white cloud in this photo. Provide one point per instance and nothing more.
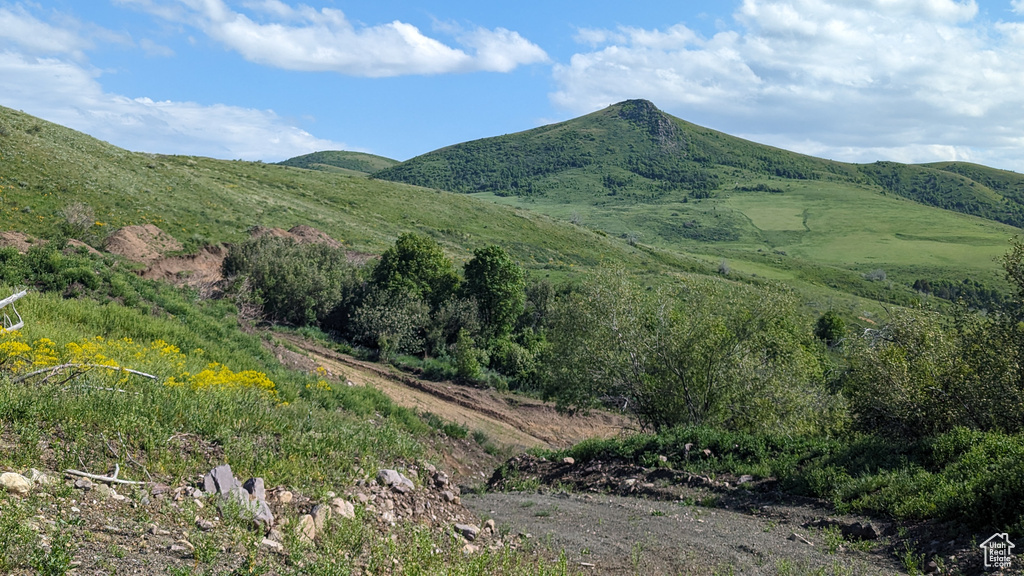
(49, 80)
(1018, 6)
(913, 80)
(19, 27)
(302, 38)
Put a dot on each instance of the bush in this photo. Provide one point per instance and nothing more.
(390, 323)
(297, 284)
(922, 375)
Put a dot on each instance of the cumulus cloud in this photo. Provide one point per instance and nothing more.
(277, 34)
(860, 80)
(52, 82)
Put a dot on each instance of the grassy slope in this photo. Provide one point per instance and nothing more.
(767, 201)
(45, 167)
(341, 161)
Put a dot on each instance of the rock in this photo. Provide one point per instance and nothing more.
(568, 460)
(103, 491)
(84, 484)
(440, 479)
(396, 481)
(388, 517)
(865, 531)
(663, 459)
(707, 452)
(272, 545)
(798, 538)
(745, 479)
(448, 496)
(306, 529)
(41, 478)
(204, 525)
(256, 510)
(343, 508)
(931, 567)
(470, 549)
(158, 489)
(490, 526)
(321, 515)
(182, 546)
(284, 497)
(255, 488)
(220, 480)
(468, 531)
(15, 483)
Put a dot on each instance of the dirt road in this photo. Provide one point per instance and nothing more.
(510, 420)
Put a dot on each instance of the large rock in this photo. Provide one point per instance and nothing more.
(251, 498)
(220, 480)
(321, 515)
(396, 481)
(468, 531)
(343, 508)
(256, 488)
(15, 483)
(306, 528)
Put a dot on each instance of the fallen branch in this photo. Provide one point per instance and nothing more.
(111, 479)
(55, 369)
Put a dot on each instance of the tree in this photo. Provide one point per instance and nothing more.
(416, 266)
(709, 355)
(499, 287)
(830, 329)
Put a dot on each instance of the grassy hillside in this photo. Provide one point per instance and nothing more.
(634, 172)
(340, 161)
(633, 153)
(802, 235)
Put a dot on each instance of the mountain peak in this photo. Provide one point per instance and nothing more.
(646, 116)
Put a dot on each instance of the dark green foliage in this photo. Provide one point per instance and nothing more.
(498, 285)
(467, 358)
(631, 150)
(391, 322)
(830, 328)
(296, 284)
(971, 292)
(416, 266)
(950, 190)
(706, 355)
(452, 316)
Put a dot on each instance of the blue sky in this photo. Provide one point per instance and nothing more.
(854, 80)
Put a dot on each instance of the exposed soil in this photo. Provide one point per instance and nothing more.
(201, 271)
(142, 244)
(20, 241)
(618, 518)
(508, 419)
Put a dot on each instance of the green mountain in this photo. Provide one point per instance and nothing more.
(340, 161)
(633, 152)
(635, 172)
(829, 235)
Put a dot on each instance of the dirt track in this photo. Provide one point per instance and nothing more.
(510, 420)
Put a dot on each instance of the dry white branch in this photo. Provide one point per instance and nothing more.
(110, 479)
(53, 370)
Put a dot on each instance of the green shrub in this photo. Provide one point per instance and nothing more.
(297, 284)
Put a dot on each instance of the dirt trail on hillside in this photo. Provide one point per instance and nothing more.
(508, 419)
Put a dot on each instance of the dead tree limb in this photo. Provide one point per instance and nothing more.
(110, 479)
(53, 370)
